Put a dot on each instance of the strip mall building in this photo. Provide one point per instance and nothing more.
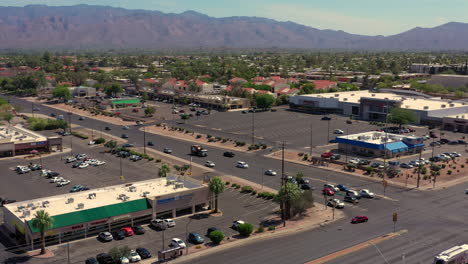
(16, 140)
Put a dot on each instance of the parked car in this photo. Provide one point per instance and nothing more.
(83, 165)
(118, 235)
(195, 238)
(463, 142)
(338, 131)
(127, 145)
(354, 161)
(210, 164)
(124, 136)
(241, 164)
(270, 173)
(91, 261)
(169, 222)
(105, 258)
(128, 231)
(78, 188)
(229, 154)
(328, 192)
(107, 128)
(22, 169)
(177, 242)
(143, 252)
(453, 142)
(349, 121)
(135, 158)
(124, 260)
(326, 118)
(56, 179)
(406, 166)
(134, 256)
(70, 159)
(326, 155)
(105, 236)
(350, 199)
(353, 193)
(125, 128)
(35, 167)
(336, 203)
(6, 201)
(150, 143)
(81, 156)
(236, 224)
(331, 186)
(307, 186)
(211, 229)
(76, 164)
(167, 150)
(342, 187)
(138, 230)
(335, 157)
(359, 219)
(159, 224)
(366, 193)
(63, 183)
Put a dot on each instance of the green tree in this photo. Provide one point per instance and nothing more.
(113, 89)
(118, 252)
(61, 92)
(401, 116)
(216, 237)
(460, 94)
(216, 187)
(245, 229)
(164, 170)
(307, 88)
(145, 97)
(264, 100)
(111, 144)
(299, 176)
(42, 221)
(7, 116)
(149, 111)
(287, 195)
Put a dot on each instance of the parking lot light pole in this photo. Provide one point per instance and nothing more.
(310, 151)
(328, 131)
(144, 140)
(186, 235)
(253, 126)
(69, 122)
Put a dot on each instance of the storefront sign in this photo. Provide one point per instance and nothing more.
(77, 227)
(176, 198)
(99, 222)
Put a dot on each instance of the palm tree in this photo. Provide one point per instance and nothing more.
(42, 221)
(216, 186)
(164, 170)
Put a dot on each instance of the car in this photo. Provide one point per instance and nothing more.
(331, 186)
(35, 167)
(326, 155)
(364, 162)
(354, 161)
(91, 261)
(456, 154)
(52, 115)
(235, 225)
(81, 118)
(365, 193)
(229, 154)
(304, 180)
(44, 173)
(461, 142)
(124, 260)
(6, 201)
(406, 166)
(335, 157)
(338, 131)
(177, 242)
(211, 229)
(127, 145)
(159, 224)
(22, 169)
(244, 111)
(241, 164)
(81, 156)
(138, 230)
(105, 236)
(292, 180)
(328, 192)
(307, 186)
(353, 193)
(104, 258)
(377, 165)
(270, 173)
(349, 121)
(143, 252)
(51, 174)
(63, 183)
(326, 118)
(118, 235)
(128, 231)
(135, 110)
(359, 219)
(83, 165)
(351, 199)
(124, 136)
(209, 164)
(342, 187)
(454, 142)
(92, 142)
(125, 128)
(195, 238)
(169, 222)
(134, 256)
(76, 164)
(56, 179)
(135, 158)
(435, 143)
(444, 141)
(78, 188)
(336, 203)
(107, 128)
(466, 191)
(70, 159)
(167, 150)
(150, 143)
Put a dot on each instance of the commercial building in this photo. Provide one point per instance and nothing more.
(84, 214)
(449, 80)
(458, 123)
(374, 106)
(82, 91)
(218, 102)
(379, 144)
(16, 140)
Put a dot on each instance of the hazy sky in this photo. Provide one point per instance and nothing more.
(369, 17)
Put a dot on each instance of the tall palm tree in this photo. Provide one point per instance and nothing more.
(216, 186)
(42, 221)
(164, 170)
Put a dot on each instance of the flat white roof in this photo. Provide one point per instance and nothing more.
(376, 137)
(406, 101)
(70, 202)
(18, 134)
(459, 116)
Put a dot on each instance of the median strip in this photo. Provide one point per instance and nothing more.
(355, 248)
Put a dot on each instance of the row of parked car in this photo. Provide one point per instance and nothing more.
(82, 161)
(351, 196)
(25, 169)
(446, 141)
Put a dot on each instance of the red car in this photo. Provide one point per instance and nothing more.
(359, 219)
(328, 192)
(128, 231)
(135, 111)
(327, 155)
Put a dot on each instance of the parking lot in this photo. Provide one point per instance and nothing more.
(233, 204)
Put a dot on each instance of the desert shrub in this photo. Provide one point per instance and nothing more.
(245, 229)
(247, 189)
(216, 237)
(260, 229)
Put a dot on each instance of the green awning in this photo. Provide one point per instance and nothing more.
(98, 213)
(126, 101)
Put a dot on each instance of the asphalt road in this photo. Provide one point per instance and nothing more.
(435, 220)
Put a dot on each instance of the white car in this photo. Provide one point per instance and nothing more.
(331, 186)
(44, 173)
(339, 131)
(81, 156)
(169, 222)
(71, 159)
(92, 142)
(177, 242)
(124, 260)
(209, 164)
(134, 257)
(336, 203)
(125, 128)
(56, 179)
(354, 161)
(366, 193)
(456, 154)
(83, 165)
(241, 164)
(63, 183)
(236, 224)
(270, 173)
(100, 162)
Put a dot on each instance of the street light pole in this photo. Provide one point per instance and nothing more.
(310, 151)
(186, 234)
(253, 126)
(121, 174)
(328, 131)
(144, 140)
(283, 184)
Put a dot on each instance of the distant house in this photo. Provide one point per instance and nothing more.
(204, 87)
(237, 80)
(266, 92)
(82, 91)
(174, 84)
(324, 84)
(258, 80)
(288, 91)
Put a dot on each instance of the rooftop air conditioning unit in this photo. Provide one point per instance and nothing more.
(26, 213)
(352, 94)
(373, 95)
(45, 204)
(30, 205)
(92, 196)
(426, 107)
(19, 208)
(132, 189)
(452, 105)
(80, 206)
(70, 200)
(145, 194)
(345, 99)
(337, 95)
(443, 106)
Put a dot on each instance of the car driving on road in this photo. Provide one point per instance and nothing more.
(241, 164)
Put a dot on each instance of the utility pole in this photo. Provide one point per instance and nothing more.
(419, 169)
(283, 185)
(262, 176)
(144, 140)
(121, 175)
(385, 142)
(69, 121)
(68, 252)
(328, 131)
(310, 152)
(253, 126)
(347, 145)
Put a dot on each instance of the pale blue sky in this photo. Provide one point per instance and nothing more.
(368, 17)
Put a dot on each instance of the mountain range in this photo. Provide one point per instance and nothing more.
(101, 28)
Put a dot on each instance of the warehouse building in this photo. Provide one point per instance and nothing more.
(16, 140)
(373, 106)
(377, 144)
(83, 214)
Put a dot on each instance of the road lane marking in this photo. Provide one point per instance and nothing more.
(355, 248)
